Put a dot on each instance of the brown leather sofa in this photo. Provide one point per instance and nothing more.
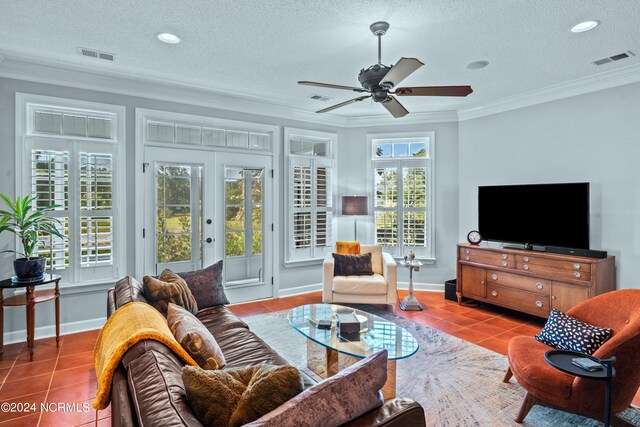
(147, 388)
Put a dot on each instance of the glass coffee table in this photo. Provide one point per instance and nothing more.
(328, 353)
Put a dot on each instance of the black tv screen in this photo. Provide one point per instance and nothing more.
(537, 214)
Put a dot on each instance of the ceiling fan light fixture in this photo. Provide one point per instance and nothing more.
(584, 26)
(168, 38)
(476, 65)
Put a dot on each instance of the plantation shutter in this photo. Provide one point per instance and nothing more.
(414, 221)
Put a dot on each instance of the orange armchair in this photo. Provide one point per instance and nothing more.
(618, 310)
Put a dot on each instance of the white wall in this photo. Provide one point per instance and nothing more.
(593, 137)
(354, 159)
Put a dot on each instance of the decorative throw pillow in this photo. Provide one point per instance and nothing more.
(567, 333)
(352, 265)
(206, 285)
(168, 287)
(235, 397)
(344, 396)
(195, 338)
(348, 248)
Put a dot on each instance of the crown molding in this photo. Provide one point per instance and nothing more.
(608, 79)
(25, 68)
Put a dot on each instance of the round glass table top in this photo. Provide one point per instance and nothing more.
(376, 333)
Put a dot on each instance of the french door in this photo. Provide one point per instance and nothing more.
(201, 207)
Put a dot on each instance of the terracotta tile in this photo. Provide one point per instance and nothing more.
(455, 308)
(73, 393)
(16, 386)
(25, 421)
(487, 329)
(76, 413)
(29, 400)
(40, 354)
(12, 349)
(80, 374)
(20, 372)
(460, 320)
(507, 335)
(236, 309)
(469, 335)
(527, 330)
(494, 344)
(256, 309)
(3, 374)
(77, 347)
(478, 315)
(447, 327)
(75, 360)
(503, 323)
(425, 319)
(105, 422)
(436, 312)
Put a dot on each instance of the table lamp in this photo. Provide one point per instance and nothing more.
(353, 206)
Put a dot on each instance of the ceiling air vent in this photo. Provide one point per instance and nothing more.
(613, 58)
(92, 53)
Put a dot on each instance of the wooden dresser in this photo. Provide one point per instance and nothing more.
(528, 281)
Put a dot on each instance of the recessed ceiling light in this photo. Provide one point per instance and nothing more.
(168, 38)
(584, 26)
(476, 65)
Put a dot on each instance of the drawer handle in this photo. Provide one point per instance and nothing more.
(504, 256)
(467, 251)
(525, 267)
(576, 266)
(539, 304)
(577, 275)
(539, 285)
(494, 277)
(505, 263)
(525, 259)
(467, 258)
(494, 293)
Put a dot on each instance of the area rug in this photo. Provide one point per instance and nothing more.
(456, 382)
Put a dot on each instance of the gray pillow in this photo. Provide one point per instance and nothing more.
(206, 285)
(345, 396)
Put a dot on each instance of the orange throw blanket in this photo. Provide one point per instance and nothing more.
(129, 324)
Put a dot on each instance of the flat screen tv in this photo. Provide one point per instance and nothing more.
(536, 214)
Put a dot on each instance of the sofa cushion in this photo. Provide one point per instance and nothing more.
(336, 400)
(526, 358)
(236, 397)
(195, 338)
(128, 290)
(376, 256)
(241, 347)
(219, 318)
(206, 285)
(355, 285)
(168, 288)
(568, 333)
(352, 265)
(348, 248)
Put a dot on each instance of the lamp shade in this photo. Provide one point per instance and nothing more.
(355, 205)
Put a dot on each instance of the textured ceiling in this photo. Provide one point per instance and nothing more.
(262, 48)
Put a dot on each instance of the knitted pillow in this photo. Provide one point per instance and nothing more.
(567, 333)
(168, 287)
(195, 338)
(352, 265)
(235, 397)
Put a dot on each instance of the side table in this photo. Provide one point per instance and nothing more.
(30, 299)
(561, 360)
(410, 302)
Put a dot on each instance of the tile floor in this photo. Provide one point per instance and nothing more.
(66, 374)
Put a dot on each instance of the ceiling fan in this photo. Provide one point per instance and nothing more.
(379, 80)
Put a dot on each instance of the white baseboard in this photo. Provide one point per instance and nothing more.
(434, 287)
(298, 290)
(50, 330)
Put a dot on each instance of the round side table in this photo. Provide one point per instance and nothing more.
(410, 302)
(561, 360)
(29, 300)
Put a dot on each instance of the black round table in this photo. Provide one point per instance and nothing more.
(561, 360)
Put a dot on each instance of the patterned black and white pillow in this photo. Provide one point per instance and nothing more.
(567, 333)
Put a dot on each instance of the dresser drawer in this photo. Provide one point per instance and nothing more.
(490, 258)
(531, 284)
(555, 273)
(518, 299)
(566, 265)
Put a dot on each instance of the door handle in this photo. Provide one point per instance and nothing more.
(209, 240)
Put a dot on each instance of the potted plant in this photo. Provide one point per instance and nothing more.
(29, 225)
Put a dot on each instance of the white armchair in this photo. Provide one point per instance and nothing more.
(377, 289)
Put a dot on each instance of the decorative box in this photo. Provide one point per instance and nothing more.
(347, 325)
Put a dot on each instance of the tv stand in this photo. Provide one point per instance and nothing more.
(530, 281)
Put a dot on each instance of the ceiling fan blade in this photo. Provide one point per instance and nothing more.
(394, 107)
(403, 68)
(434, 91)
(342, 104)
(330, 86)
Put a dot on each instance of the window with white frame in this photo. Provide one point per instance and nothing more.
(402, 194)
(309, 186)
(71, 157)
